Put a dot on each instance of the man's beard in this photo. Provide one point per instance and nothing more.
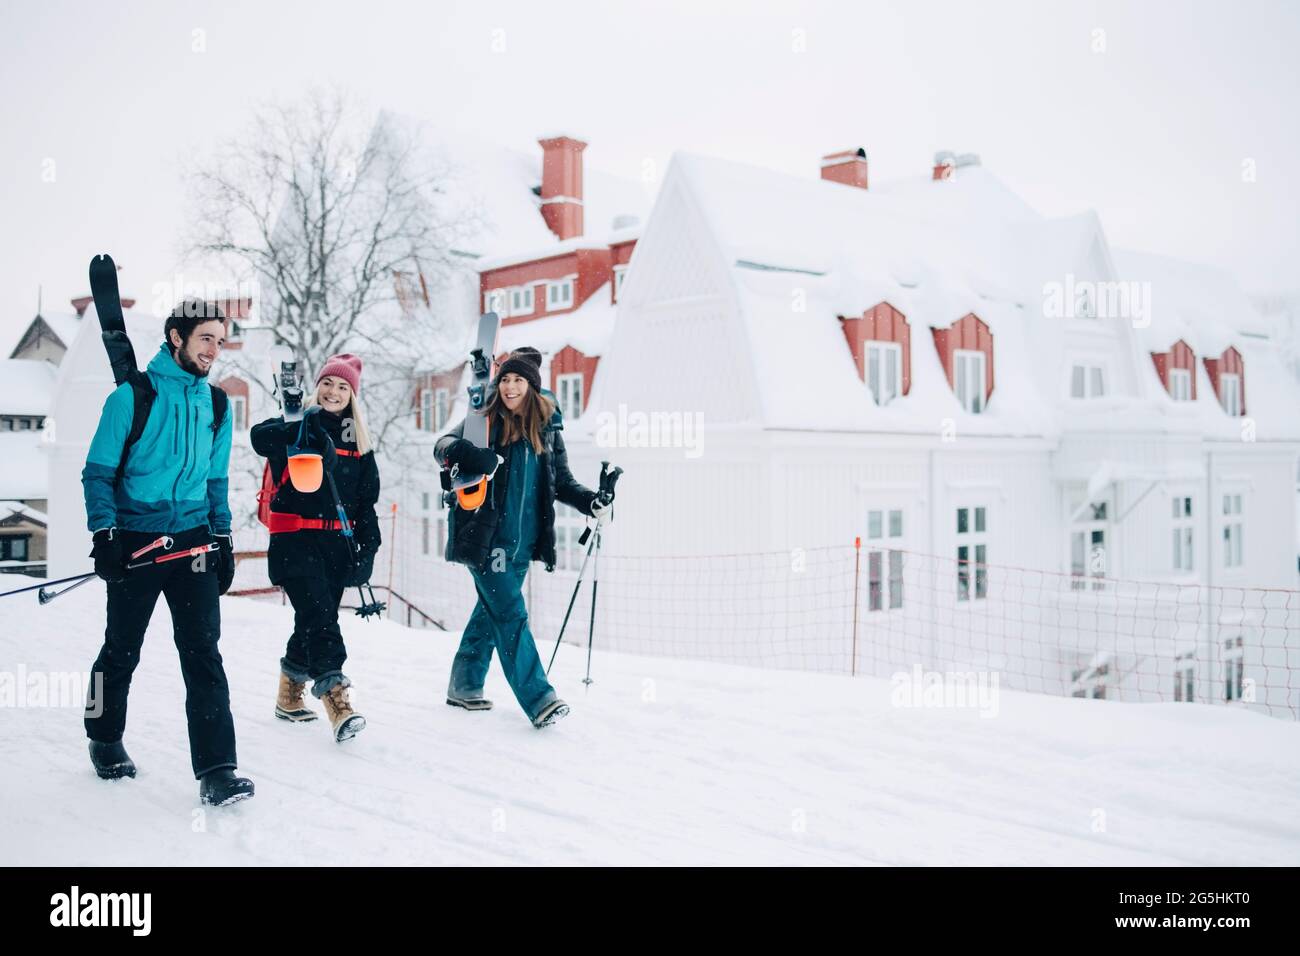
(189, 365)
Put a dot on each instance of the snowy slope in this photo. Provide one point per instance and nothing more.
(660, 762)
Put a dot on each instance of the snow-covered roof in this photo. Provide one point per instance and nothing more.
(24, 472)
(587, 328)
(26, 386)
(799, 253)
(64, 324)
(8, 508)
(493, 185)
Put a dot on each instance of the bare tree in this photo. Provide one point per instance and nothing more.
(348, 228)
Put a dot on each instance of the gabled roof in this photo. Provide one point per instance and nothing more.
(63, 325)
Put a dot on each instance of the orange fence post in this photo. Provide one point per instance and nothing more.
(392, 556)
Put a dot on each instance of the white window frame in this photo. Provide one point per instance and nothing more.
(570, 403)
(441, 408)
(1230, 393)
(238, 412)
(877, 370)
(559, 293)
(521, 300)
(1180, 384)
(963, 382)
(1232, 521)
(496, 300)
(886, 557)
(426, 410)
(971, 550)
(620, 273)
(1087, 380)
(1183, 555)
(1085, 563)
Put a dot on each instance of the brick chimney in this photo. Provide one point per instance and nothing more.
(944, 164)
(848, 167)
(562, 184)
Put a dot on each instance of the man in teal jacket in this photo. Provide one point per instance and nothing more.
(165, 496)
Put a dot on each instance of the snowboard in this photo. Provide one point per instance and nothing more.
(471, 490)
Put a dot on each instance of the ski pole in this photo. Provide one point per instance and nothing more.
(47, 584)
(165, 542)
(45, 597)
(371, 606)
(574, 597)
(595, 584)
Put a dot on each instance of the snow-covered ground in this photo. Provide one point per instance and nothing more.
(661, 762)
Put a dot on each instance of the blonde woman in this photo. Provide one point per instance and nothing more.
(309, 557)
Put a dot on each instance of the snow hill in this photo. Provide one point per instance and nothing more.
(661, 762)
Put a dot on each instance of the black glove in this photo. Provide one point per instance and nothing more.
(471, 459)
(225, 562)
(365, 567)
(107, 552)
(601, 502)
(319, 439)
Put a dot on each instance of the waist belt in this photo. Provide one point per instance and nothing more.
(282, 523)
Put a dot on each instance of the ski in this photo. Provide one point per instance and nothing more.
(286, 382)
(112, 324)
(471, 490)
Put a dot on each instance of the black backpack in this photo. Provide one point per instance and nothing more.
(144, 394)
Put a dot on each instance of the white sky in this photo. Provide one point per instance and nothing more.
(1152, 133)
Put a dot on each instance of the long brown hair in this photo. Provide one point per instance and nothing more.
(528, 422)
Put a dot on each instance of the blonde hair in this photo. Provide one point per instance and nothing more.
(353, 412)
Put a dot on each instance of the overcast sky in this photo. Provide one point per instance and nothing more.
(1154, 131)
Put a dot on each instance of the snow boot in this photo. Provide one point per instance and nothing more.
(217, 788)
(110, 760)
(470, 703)
(550, 714)
(346, 722)
(290, 703)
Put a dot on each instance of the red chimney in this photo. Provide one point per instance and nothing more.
(944, 164)
(562, 184)
(848, 167)
(82, 302)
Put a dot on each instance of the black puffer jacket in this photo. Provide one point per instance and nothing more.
(311, 553)
(470, 533)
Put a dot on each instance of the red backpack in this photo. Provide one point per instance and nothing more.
(268, 491)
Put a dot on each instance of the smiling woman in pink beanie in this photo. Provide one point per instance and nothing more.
(309, 556)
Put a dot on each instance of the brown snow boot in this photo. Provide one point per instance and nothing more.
(290, 703)
(346, 722)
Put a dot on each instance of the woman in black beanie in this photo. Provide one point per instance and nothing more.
(513, 527)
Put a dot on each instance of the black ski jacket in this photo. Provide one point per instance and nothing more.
(299, 553)
(470, 533)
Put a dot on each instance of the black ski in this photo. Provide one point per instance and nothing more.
(108, 305)
(287, 382)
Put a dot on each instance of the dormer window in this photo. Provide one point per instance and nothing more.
(966, 350)
(559, 294)
(1228, 376)
(880, 341)
(1177, 371)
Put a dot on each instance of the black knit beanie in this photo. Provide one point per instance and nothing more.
(523, 367)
